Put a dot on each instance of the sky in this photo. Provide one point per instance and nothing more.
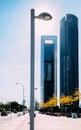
(15, 42)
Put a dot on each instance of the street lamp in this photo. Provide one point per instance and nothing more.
(23, 89)
(42, 16)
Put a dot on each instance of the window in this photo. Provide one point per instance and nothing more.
(49, 41)
(49, 72)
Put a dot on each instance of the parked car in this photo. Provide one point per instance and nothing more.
(9, 112)
(4, 113)
(34, 114)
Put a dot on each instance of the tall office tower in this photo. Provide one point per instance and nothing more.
(48, 67)
(69, 55)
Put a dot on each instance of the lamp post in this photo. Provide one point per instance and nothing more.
(43, 16)
(23, 89)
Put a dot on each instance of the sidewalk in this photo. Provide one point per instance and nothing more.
(24, 124)
(41, 122)
(15, 123)
(46, 122)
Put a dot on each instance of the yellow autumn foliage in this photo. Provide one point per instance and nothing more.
(65, 99)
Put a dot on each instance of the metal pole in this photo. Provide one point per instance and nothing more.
(32, 72)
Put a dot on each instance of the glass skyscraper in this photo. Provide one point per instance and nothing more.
(48, 67)
(69, 55)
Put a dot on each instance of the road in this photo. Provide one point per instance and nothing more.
(41, 122)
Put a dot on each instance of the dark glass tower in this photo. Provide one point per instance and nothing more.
(48, 67)
(68, 54)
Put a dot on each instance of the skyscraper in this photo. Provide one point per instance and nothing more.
(69, 55)
(48, 67)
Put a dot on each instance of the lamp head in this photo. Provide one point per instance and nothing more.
(44, 16)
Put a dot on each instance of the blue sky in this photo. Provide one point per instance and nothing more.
(15, 42)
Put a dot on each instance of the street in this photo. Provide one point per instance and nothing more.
(41, 122)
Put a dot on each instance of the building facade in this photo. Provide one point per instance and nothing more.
(48, 67)
(69, 55)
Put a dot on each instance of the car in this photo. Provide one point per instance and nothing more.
(9, 112)
(34, 114)
(4, 113)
